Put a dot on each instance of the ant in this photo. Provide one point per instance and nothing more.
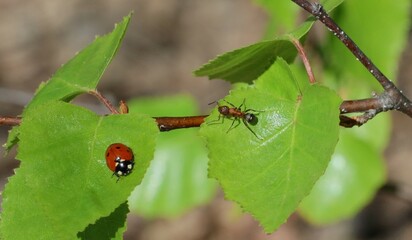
(237, 113)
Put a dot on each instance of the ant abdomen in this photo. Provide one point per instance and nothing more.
(251, 118)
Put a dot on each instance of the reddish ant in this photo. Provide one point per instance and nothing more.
(237, 113)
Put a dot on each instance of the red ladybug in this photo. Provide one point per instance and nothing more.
(119, 159)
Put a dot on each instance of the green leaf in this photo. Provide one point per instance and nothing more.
(83, 72)
(63, 183)
(350, 181)
(298, 125)
(177, 177)
(247, 63)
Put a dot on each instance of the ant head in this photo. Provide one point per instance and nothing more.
(224, 110)
(251, 118)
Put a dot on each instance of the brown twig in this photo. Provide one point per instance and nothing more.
(362, 105)
(171, 123)
(104, 100)
(10, 121)
(164, 123)
(304, 58)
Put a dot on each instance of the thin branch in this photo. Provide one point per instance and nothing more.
(362, 105)
(304, 58)
(10, 121)
(370, 107)
(105, 101)
(164, 123)
(171, 123)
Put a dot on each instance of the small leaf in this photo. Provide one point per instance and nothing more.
(63, 183)
(298, 124)
(246, 64)
(350, 182)
(177, 177)
(83, 72)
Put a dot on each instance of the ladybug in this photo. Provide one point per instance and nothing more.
(119, 159)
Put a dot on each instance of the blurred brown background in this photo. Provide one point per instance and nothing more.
(165, 42)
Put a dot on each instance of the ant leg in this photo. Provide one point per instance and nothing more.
(216, 121)
(248, 127)
(231, 104)
(233, 122)
(249, 109)
(253, 110)
(243, 104)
